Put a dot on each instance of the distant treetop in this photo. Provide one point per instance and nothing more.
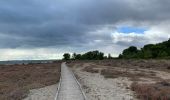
(160, 50)
(91, 55)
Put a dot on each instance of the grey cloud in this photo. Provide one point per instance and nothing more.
(57, 23)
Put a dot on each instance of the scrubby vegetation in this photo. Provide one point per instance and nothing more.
(157, 91)
(66, 56)
(160, 50)
(91, 55)
(149, 51)
(17, 80)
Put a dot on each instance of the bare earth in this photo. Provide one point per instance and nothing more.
(99, 88)
(46, 93)
(123, 79)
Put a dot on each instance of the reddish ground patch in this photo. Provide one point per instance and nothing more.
(17, 80)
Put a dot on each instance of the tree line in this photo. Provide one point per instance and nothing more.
(91, 55)
(149, 51)
(160, 50)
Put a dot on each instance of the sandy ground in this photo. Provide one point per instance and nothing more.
(97, 87)
(46, 93)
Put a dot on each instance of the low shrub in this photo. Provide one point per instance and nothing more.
(158, 91)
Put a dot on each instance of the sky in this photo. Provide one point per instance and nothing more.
(45, 29)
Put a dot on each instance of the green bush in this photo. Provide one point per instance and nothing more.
(160, 50)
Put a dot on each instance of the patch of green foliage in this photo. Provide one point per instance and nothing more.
(66, 56)
(160, 50)
(91, 55)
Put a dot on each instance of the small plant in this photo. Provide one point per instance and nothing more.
(91, 69)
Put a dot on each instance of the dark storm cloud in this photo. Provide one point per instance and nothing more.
(43, 23)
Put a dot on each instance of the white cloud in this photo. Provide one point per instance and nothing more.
(154, 34)
(124, 37)
(30, 54)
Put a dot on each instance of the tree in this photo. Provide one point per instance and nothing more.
(66, 56)
(78, 57)
(163, 54)
(100, 56)
(159, 50)
(91, 55)
(120, 56)
(74, 56)
(130, 52)
(147, 54)
(109, 56)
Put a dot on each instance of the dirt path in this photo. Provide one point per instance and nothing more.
(46, 93)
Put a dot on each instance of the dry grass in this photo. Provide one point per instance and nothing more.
(17, 80)
(145, 64)
(133, 75)
(109, 72)
(163, 65)
(91, 69)
(158, 91)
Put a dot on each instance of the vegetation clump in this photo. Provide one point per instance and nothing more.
(149, 51)
(91, 55)
(17, 80)
(66, 56)
(157, 91)
(160, 50)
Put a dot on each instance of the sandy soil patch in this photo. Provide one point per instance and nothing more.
(97, 87)
(140, 79)
(46, 93)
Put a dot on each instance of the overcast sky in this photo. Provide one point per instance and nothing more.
(45, 29)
